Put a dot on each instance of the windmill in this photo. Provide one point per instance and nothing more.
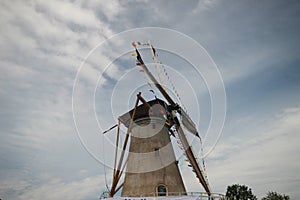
(151, 167)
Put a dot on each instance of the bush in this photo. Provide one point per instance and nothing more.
(275, 196)
(239, 192)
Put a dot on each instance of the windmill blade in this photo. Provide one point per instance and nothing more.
(156, 83)
(188, 122)
(192, 159)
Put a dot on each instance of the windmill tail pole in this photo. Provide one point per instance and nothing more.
(111, 128)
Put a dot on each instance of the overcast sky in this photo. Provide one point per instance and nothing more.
(255, 45)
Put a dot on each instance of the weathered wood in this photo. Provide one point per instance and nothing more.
(116, 179)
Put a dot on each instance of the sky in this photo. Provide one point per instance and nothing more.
(57, 94)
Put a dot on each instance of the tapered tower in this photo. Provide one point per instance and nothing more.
(151, 167)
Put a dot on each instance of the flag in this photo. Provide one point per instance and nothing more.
(161, 111)
(134, 44)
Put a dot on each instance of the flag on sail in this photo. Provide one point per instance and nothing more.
(138, 43)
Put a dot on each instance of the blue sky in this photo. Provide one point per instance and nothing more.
(255, 45)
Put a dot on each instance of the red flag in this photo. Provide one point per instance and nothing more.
(134, 44)
(161, 111)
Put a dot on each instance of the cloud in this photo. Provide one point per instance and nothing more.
(42, 45)
(65, 12)
(266, 162)
(55, 188)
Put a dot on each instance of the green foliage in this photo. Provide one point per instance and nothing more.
(275, 196)
(239, 192)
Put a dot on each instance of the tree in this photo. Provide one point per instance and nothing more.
(239, 192)
(275, 196)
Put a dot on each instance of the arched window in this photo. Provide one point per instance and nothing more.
(161, 190)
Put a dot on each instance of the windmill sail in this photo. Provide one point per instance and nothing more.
(186, 121)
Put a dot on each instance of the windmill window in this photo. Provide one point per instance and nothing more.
(156, 152)
(161, 190)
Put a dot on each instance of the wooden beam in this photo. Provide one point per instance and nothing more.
(156, 83)
(118, 188)
(116, 179)
(192, 159)
(122, 170)
(143, 101)
(117, 146)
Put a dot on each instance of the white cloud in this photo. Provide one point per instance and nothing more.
(55, 188)
(67, 12)
(110, 10)
(268, 161)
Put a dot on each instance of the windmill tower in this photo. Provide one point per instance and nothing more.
(150, 165)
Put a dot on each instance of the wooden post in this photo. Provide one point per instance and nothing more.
(117, 173)
(116, 152)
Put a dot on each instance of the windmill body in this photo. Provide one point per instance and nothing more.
(152, 167)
